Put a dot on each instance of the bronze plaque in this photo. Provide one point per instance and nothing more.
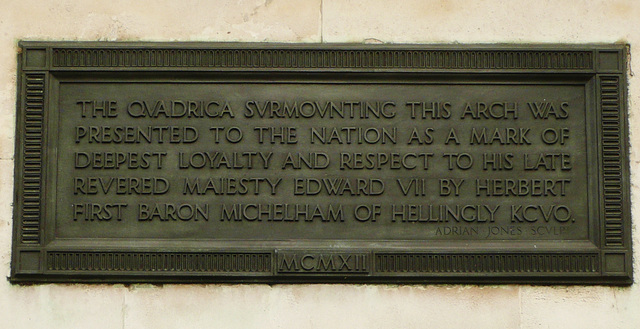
(205, 162)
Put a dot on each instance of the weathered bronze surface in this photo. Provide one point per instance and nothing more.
(200, 162)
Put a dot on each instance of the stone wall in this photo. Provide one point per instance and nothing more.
(313, 306)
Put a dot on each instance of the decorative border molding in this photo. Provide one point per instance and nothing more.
(486, 263)
(32, 154)
(322, 59)
(612, 161)
(158, 262)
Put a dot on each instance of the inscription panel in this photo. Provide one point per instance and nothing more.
(270, 163)
(373, 162)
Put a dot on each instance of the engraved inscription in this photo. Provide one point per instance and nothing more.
(323, 160)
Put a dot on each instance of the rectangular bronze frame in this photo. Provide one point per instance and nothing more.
(609, 261)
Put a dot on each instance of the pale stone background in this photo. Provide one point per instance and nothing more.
(313, 306)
